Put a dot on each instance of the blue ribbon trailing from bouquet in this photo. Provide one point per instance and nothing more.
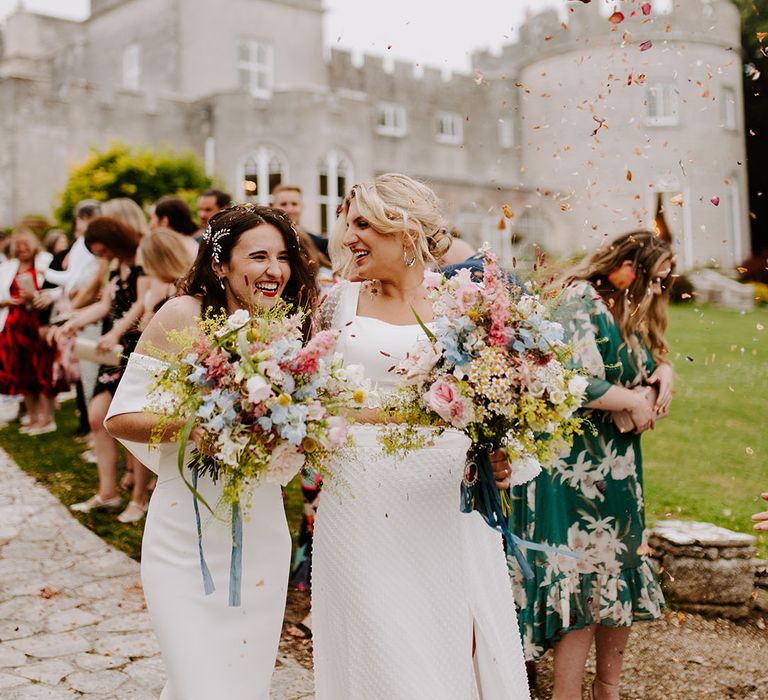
(207, 580)
(236, 559)
(483, 496)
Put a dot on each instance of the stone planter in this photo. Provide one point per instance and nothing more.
(706, 569)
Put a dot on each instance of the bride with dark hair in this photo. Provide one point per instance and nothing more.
(250, 256)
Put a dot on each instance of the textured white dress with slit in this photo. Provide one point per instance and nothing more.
(210, 650)
(402, 580)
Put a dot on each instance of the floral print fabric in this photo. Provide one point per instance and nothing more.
(591, 501)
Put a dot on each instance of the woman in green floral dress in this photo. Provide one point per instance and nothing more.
(613, 308)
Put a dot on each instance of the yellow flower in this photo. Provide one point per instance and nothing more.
(284, 400)
(359, 396)
(309, 444)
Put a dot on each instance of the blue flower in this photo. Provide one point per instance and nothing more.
(198, 376)
(206, 410)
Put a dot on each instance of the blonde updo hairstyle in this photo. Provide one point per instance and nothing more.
(394, 203)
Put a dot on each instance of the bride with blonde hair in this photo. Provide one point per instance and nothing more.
(411, 597)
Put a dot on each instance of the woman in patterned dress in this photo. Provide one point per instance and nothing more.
(26, 360)
(614, 310)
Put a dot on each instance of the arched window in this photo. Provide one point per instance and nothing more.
(263, 169)
(335, 178)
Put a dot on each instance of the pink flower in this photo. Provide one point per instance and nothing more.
(445, 399)
(284, 463)
(419, 362)
(466, 291)
(337, 431)
(432, 280)
(321, 345)
(315, 411)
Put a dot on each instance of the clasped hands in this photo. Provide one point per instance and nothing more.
(647, 409)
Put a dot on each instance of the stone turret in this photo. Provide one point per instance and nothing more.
(628, 122)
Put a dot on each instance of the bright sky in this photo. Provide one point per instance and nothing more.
(430, 32)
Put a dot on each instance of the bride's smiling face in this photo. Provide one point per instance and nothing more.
(374, 255)
(258, 268)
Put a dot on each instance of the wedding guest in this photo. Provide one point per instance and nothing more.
(75, 276)
(761, 518)
(128, 212)
(120, 308)
(614, 310)
(208, 203)
(56, 242)
(165, 260)
(459, 251)
(173, 213)
(210, 647)
(411, 597)
(289, 198)
(26, 360)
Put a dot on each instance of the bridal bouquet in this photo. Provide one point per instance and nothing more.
(263, 404)
(492, 366)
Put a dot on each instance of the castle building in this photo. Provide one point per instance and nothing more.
(585, 128)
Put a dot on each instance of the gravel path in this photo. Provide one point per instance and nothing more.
(688, 657)
(73, 622)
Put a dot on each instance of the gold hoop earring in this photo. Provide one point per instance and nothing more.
(409, 263)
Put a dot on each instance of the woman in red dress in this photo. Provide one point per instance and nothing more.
(26, 360)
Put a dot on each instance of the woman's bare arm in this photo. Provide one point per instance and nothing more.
(178, 314)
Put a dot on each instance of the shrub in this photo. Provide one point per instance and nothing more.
(143, 175)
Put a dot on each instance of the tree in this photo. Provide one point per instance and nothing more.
(143, 175)
(754, 39)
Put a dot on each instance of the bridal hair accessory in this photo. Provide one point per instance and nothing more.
(214, 237)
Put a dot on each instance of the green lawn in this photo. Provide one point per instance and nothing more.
(708, 460)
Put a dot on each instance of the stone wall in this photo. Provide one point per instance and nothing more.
(706, 569)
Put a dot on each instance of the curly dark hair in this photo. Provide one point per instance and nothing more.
(202, 282)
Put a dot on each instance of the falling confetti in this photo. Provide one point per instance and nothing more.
(715, 200)
(749, 451)
(507, 211)
(760, 327)
(616, 18)
(646, 8)
(600, 124)
(629, 176)
(677, 200)
(646, 45)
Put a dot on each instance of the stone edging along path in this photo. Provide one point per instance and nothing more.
(73, 622)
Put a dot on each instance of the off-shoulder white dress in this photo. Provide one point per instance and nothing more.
(402, 581)
(210, 649)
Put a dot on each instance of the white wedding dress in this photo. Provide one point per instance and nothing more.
(402, 580)
(210, 649)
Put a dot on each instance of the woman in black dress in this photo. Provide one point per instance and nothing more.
(121, 308)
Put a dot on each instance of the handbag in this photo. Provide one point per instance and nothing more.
(623, 419)
(85, 349)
